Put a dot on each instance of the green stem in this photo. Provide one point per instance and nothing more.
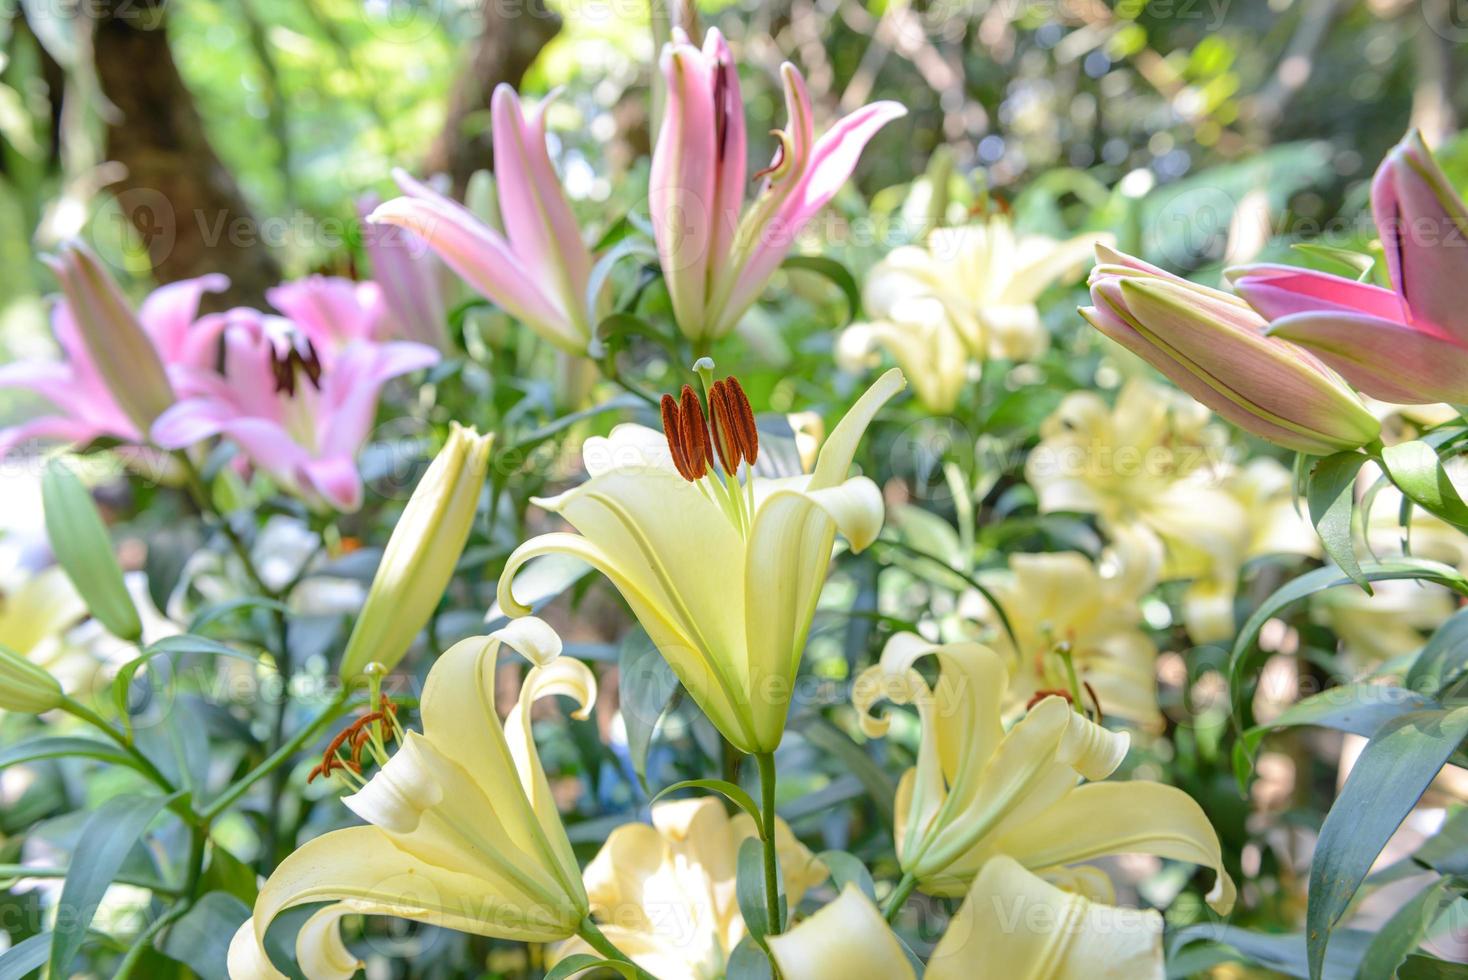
(899, 896)
(598, 941)
(766, 762)
(145, 941)
(276, 758)
(75, 708)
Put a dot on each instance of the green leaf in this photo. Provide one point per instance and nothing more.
(200, 938)
(748, 962)
(1282, 952)
(64, 747)
(25, 957)
(847, 869)
(646, 684)
(749, 887)
(168, 646)
(1358, 263)
(838, 274)
(169, 551)
(83, 549)
(736, 794)
(1391, 774)
(1418, 473)
(1406, 929)
(227, 873)
(109, 833)
(215, 611)
(1243, 659)
(631, 247)
(1444, 658)
(1331, 497)
(581, 962)
(1360, 709)
(1420, 967)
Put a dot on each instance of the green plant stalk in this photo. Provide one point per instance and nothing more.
(76, 709)
(598, 941)
(276, 758)
(899, 896)
(766, 762)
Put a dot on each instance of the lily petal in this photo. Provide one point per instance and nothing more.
(1385, 359)
(847, 938)
(1014, 924)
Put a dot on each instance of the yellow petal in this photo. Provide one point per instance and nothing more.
(532, 638)
(846, 940)
(1122, 818)
(361, 866)
(320, 951)
(1017, 926)
(840, 449)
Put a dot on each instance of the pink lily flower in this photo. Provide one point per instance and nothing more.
(411, 277)
(299, 413)
(116, 364)
(538, 270)
(1408, 344)
(715, 261)
(332, 311)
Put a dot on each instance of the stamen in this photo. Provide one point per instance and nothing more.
(673, 432)
(779, 161)
(700, 454)
(726, 437)
(1094, 701)
(344, 752)
(742, 418)
(300, 356)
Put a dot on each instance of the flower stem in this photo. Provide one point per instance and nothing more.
(599, 942)
(78, 710)
(766, 762)
(899, 896)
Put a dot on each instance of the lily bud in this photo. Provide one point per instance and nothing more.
(84, 550)
(1213, 346)
(1408, 344)
(421, 554)
(26, 687)
(121, 350)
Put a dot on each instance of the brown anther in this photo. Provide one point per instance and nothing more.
(695, 432)
(742, 418)
(779, 159)
(1042, 695)
(725, 435)
(300, 356)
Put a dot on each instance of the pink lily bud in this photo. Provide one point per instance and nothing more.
(411, 278)
(119, 349)
(539, 269)
(1213, 346)
(716, 261)
(1408, 344)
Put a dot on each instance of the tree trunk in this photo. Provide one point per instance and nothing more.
(182, 200)
(509, 41)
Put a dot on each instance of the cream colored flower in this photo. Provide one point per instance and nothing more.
(1156, 471)
(723, 575)
(1062, 606)
(979, 791)
(1012, 924)
(665, 894)
(462, 830)
(36, 615)
(968, 294)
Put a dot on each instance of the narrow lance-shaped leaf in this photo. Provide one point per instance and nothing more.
(1392, 773)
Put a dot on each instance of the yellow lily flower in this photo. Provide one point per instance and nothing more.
(462, 830)
(724, 577)
(989, 276)
(1012, 925)
(845, 940)
(1156, 471)
(1062, 606)
(665, 895)
(34, 619)
(919, 335)
(979, 791)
